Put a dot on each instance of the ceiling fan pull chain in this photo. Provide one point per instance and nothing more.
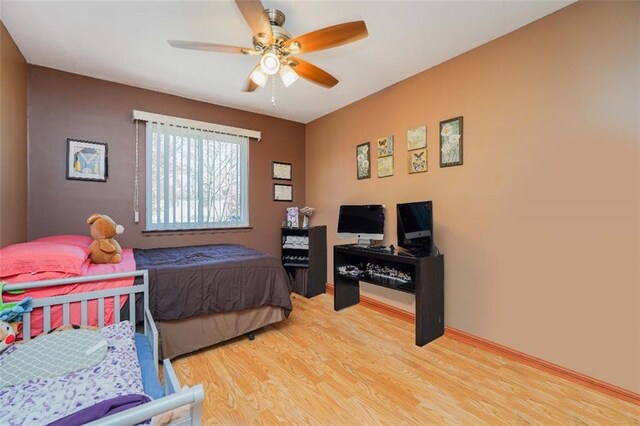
(273, 92)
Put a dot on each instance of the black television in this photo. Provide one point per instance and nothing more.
(364, 222)
(415, 227)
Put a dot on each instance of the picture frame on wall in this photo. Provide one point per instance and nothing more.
(417, 138)
(87, 160)
(385, 146)
(417, 161)
(363, 161)
(280, 170)
(282, 192)
(451, 142)
(385, 166)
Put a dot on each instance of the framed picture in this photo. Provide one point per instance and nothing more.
(417, 138)
(87, 160)
(385, 146)
(385, 166)
(282, 192)
(451, 142)
(280, 170)
(363, 161)
(417, 160)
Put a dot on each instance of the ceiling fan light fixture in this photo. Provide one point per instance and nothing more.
(259, 77)
(294, 47)
(270, 63)
(288, 75)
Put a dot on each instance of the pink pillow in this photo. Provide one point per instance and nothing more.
(42, 257)
(73, 240)
(49, 275)
(36, 276)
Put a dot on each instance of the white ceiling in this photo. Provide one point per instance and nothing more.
(126, 42)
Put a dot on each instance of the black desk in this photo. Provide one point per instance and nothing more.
(427, 273)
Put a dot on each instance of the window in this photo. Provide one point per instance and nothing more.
(195, 178)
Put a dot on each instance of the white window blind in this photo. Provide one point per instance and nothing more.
(195, 178)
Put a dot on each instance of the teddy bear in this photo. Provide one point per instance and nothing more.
(104, 249)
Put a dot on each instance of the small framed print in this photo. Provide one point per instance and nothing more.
(417, 161)
(385, 166)
(282, 192)
(86, 160)
(363, 161)
(281, 171)
(451, 142)
(417, 138)
(385, 146)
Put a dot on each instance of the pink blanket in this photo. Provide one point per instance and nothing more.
(127, 264)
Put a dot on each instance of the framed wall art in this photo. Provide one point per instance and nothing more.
(282, 192)
(385, 166)
(417, 160)
(417, 138)
(281, 171)
(87, 160)
(363, 161)
(385, 146)
(451, 142)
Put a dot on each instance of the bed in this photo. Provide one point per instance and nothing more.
(124, 378)
(203, 295)
(198, 295)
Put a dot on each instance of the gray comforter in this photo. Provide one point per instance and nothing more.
(199, 280)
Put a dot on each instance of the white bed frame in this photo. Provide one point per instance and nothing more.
(174, 396)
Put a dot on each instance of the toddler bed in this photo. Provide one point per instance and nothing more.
(124, 378)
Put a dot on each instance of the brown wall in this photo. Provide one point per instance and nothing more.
(539, 227)
(63, 105)
(13, 141)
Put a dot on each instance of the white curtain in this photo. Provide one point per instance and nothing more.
(195, 178)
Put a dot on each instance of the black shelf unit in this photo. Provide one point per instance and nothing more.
(309, 268)
(426, 274)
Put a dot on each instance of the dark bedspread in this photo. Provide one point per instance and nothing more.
(199, 280)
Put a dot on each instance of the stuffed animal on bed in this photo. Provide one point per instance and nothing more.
(7, 335)
(12, 311)
(104, 249)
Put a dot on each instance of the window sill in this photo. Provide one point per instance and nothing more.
(159, 232)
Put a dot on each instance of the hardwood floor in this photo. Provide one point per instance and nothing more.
(358, 366)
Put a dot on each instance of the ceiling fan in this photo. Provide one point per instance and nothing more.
(276, 46)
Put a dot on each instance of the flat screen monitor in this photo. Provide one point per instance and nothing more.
(364, 222)
(415, 226)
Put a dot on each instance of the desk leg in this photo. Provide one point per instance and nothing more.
(345, 293)
(430, 300)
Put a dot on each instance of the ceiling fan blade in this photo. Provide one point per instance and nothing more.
(312, 73)
(211, 47)
(326, 38)
(253, 13)
(250, 86)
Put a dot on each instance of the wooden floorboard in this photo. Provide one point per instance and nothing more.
(358, 366)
